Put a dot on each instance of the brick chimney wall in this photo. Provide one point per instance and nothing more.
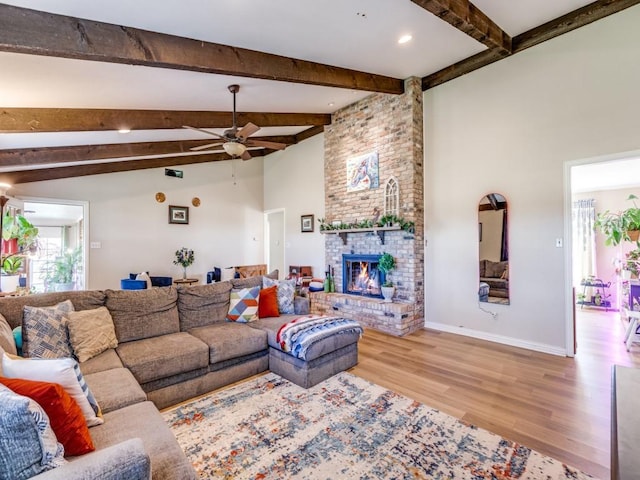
(392, 126)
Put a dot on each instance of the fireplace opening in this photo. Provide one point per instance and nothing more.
(361, 275)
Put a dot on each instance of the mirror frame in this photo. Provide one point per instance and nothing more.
(493, 255)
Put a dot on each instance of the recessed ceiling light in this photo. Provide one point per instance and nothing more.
(404, 39)
(331, 104)
(124, 130)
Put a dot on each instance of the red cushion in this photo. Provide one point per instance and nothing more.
(67, 420)
(268, 303)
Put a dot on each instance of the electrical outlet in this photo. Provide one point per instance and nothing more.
(558, 243)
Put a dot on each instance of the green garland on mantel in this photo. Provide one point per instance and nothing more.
(384, 221)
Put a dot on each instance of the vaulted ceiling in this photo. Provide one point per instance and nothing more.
(75, 72)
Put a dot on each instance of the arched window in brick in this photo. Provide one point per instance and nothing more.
(391, 197)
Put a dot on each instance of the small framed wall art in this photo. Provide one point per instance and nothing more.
(306, 223)
(178, 214)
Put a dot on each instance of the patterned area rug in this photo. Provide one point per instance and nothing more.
(344, 428)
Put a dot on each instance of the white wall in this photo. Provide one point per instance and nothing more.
(509, 128)
(294, 180)
(227, 229)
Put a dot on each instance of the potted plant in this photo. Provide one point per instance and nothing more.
(11, 266)
(19, 236)
(184, 258)
(632, 262)
(61, 274)
(621, 226)
(386, 264)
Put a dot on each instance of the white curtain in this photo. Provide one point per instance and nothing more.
(584, 239)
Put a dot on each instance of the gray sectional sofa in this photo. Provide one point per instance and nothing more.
(173, 344)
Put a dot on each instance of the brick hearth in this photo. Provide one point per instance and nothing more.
(394, 318)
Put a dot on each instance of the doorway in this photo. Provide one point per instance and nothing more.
(275, 240)
(594, 274)
(61, 261)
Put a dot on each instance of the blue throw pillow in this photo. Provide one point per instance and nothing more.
(28, 445)
(17, 337)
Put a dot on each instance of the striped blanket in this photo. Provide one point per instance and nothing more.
(297, 336)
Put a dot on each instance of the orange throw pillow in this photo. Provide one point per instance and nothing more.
(268, 303)
(67, 420)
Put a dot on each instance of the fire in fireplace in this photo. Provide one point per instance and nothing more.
(361, 276)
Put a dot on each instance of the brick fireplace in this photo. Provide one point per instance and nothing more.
(361, 275)
(392, 126)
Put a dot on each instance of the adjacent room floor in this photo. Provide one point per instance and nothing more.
(559, 406)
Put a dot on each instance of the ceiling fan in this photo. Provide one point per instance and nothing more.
(235, 141)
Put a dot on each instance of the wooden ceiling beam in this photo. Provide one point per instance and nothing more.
(28, 157)
(40, 33)
(469, 19)
(554, 28)
(25, 120)
(572, 20)
(309, 132)
(45, 174)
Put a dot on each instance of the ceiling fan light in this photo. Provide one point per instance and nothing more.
(234, 149)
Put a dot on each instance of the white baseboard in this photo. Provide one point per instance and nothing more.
(492, 337)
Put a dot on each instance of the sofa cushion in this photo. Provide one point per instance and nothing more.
(139, 314)
(202, 305)
(249, 282)
(496, 283)
(286, 292)
(483, 268)
(91, 332)
(230, 340)
(158, 357)
(64, 371)
(243, 305)
(63, 411)
(115, 388)
(11, 307)
(142, 420)
(495, 269)
(7, 341)
(107, 360)
(268, 303)
(327, 345)
(25, 429)
(43, 332)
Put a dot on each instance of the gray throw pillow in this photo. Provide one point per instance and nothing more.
(43, 333)
(286, 291)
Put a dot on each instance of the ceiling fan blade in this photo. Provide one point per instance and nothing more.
(267, 144)
(204, 147)
(204, 131)
(246, 131)
(246, 155)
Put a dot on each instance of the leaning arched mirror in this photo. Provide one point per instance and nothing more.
(493, 234)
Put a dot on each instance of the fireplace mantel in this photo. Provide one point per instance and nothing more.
(380, 231)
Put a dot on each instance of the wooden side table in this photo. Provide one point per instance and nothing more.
(185, 281)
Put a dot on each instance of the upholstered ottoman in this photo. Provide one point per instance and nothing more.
(332, 351)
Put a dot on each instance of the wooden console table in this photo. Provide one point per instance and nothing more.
(185, 281)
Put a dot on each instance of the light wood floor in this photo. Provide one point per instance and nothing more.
(556, 405)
